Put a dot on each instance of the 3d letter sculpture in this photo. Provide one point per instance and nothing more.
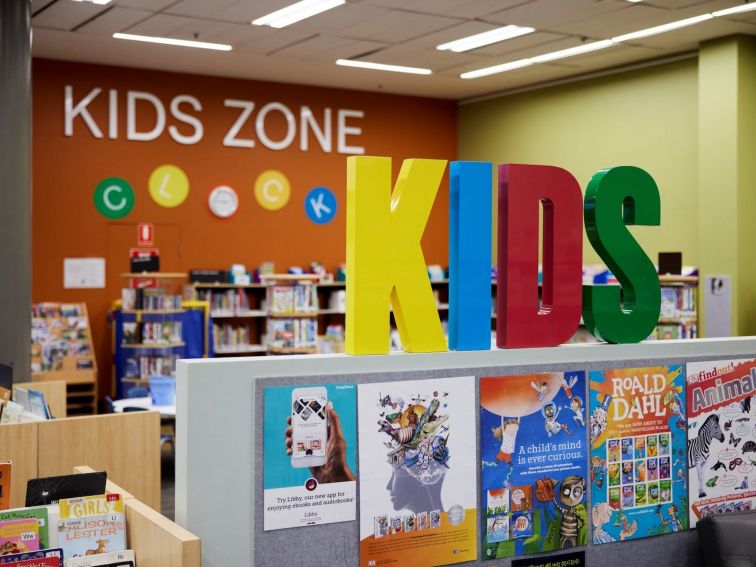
(616, 197)
(385, 263)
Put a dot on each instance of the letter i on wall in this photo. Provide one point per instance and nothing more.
(470, 255)
(385, 262)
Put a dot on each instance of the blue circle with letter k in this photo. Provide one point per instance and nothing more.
(320, 205)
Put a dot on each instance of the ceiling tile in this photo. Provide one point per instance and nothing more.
(151, 5)
(116, 20)
(198, 8)
(678, 4)
(396, 26)
(338, 20)
(329, 48)
(536, 39)
(67, 15)
(458, 31)
(37, 5)
(455, 8)
(244, 11)
(427, 58)
(550, 16)
(613, 57)
(160, 25)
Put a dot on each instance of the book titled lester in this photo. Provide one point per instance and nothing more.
(91, 525)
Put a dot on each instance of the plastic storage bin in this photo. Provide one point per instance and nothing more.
(163, 390)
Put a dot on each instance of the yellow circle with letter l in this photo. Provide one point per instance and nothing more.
(168, 185)
(272, 190)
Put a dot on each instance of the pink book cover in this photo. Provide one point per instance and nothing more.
(19, 536)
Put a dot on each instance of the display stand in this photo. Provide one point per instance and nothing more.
(73, 361)
(236, 387)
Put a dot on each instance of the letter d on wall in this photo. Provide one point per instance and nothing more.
(616, 197)
(385, 263)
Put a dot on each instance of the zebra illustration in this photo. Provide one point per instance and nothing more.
(698, 448)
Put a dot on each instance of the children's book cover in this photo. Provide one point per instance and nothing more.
(6, 468)
(38, 513)
(534, 455)
(638, 467)
(39, 562)
(417, 472)
(54, 557)
(310, 455)
(124, 558)
(19, 536)
(721, 437)
(90, 525)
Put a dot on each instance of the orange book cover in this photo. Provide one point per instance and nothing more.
(5, 484)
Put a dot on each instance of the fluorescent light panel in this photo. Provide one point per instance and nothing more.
(663, 28)
(98, 2)
(296, 12)
(496, 69)
(585, 48)
(485, 38)
(172, 41)
(383, 67)
(735, 10)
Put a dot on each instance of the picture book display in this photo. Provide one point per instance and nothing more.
(310, 455)
(638, 462)
(417, 472)
(721, 437)
(91, 525)
(534, 461)
(60, 337)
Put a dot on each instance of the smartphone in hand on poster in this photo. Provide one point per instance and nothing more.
(309, 427)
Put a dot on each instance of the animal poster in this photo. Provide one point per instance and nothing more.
(534, 454)
(721, 437)
(310, 455)
(638, 465)
(417, 472)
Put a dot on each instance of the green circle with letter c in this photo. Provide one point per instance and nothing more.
(114, 197)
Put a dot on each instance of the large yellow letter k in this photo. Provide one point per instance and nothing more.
(385, 263)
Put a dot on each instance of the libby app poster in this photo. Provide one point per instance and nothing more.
(721, 437)
(417, 481)
(638, 464)
(310, 448)
(534, 454)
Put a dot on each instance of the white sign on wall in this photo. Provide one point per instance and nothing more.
(335, 130)
(84, 273)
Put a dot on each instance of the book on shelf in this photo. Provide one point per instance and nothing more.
(19, 536)
(148, 332)
(144, 366)
(37, 513)
(292, 333)
(91, 525)
(227, 301)
(16, 413)
(151, 299)
(125, 558)
(282, 299)
(6, 471)
(41, 558)
(32, 401)
(228, 335)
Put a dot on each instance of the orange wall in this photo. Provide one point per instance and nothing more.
(67, 169)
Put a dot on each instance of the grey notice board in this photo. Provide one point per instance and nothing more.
(219, 436)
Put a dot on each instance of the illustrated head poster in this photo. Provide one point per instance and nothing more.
(310, 450)
(721, 437)
(638, 466)
(417, 463)
(534, 454)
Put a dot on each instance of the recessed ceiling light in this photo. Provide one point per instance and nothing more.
(496, 69)
(485, 38)
(561, 54)
(99, 2)
(296, 12)
(734, 10)
(172, 41)
(663, 28)
(383, 67)
(634, 1)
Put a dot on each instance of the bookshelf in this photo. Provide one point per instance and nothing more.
(62, 350)
(679, 308)
(292, 323)
(252, 315)
(150, 330)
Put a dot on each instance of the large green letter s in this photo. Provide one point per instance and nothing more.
(617, 197)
